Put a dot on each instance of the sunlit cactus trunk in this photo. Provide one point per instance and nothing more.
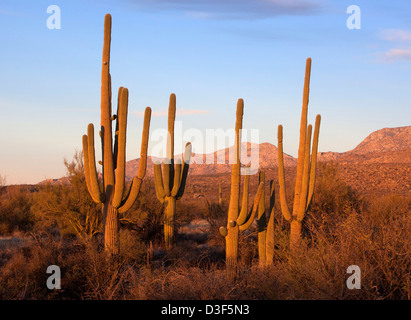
(111, 229)
(112, 193)
(169, 215)
(306, 168)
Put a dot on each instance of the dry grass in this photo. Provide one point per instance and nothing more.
(342, 229)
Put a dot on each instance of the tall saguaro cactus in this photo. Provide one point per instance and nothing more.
(113, 161)
(306, 167)
(238, 220)
(170, 182)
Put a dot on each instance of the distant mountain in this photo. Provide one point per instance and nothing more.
(388, 145)
(387, 139)
(219, 161)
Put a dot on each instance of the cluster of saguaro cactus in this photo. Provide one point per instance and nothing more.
(170, 182)
(238, 220)
(111, 195)
(170, 177)
(306, 167)
(265, 225)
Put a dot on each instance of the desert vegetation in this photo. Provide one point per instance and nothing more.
(343, 228)
(118, 240)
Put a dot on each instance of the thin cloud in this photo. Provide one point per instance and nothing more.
(234, 9)
(12, 13)
(402, 52)
(397, 54)
(180, 112)
(396, 35)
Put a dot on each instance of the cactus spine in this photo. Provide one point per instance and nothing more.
(238, 220)
(170, 182)
(306, 167)
(111, 194)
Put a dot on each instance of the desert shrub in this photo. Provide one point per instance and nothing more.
(69, 204)
(376, 238)
(333, 199)
(16, 210)
(86, 270)
(146, 215)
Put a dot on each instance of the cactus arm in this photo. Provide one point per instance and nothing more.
(270, 227)
(281, 178)
(177, 179)
(158, 182)
(92, 164)
(171, 122)
(244, 206)
(168, 168)
(96, 196)
(137, 181)
(144, 144)
(313, 160)
(131, 196)
(85, 161)
(262, 223)
(184, 171)
(305, 177)
(114, 117)
(262, 219)
(121, 152)
(303, 134)
(250, 220)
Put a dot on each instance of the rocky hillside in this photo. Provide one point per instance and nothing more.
(388, 145)
(263, 155)
(387, 139)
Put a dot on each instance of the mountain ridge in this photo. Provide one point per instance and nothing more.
(387, 145)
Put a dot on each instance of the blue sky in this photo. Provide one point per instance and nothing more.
(209, 53)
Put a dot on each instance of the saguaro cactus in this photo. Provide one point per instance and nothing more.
(306, 167)
(170, 182)
(265, 225)
(113, 161)
(238, 220)
(220, 196)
